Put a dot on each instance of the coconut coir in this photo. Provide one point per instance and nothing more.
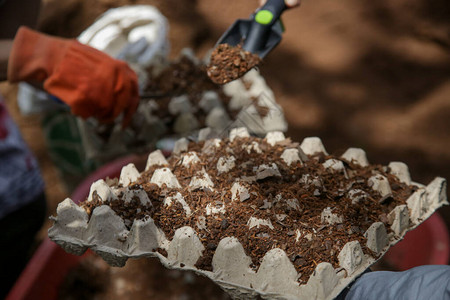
(292, 202)
(230, 62)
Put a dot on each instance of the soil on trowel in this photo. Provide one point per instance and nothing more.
(230, 62)
(140, 279)
(292, 201)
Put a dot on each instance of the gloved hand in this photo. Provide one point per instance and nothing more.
(92, 83)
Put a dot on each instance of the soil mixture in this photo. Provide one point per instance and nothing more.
(229, 63)
(293, 202)
(140, 279)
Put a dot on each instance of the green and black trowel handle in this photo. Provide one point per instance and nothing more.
(259, 34)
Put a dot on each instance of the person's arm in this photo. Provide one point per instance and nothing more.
(5, 48)
(424, 282)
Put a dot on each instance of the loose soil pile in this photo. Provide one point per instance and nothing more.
(230, 62)
(289, 199)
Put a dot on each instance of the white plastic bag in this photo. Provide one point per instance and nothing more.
(136, 34)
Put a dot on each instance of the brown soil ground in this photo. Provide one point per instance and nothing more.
(369, 74)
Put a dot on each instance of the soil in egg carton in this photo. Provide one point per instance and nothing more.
(319, 242)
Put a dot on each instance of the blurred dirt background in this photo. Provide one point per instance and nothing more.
(356, 73)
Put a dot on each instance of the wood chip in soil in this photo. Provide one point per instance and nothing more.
(292, 202)
(229, 63)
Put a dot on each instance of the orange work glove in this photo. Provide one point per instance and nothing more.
(92, 83)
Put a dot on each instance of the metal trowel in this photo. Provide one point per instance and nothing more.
(259, 34)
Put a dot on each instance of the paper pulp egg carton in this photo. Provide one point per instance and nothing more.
(276, 278)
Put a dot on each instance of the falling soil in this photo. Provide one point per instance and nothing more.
(230, 62)
(181, 76)
(291, 199)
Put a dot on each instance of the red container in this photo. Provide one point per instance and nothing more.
(428, 244)
(45, 271)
